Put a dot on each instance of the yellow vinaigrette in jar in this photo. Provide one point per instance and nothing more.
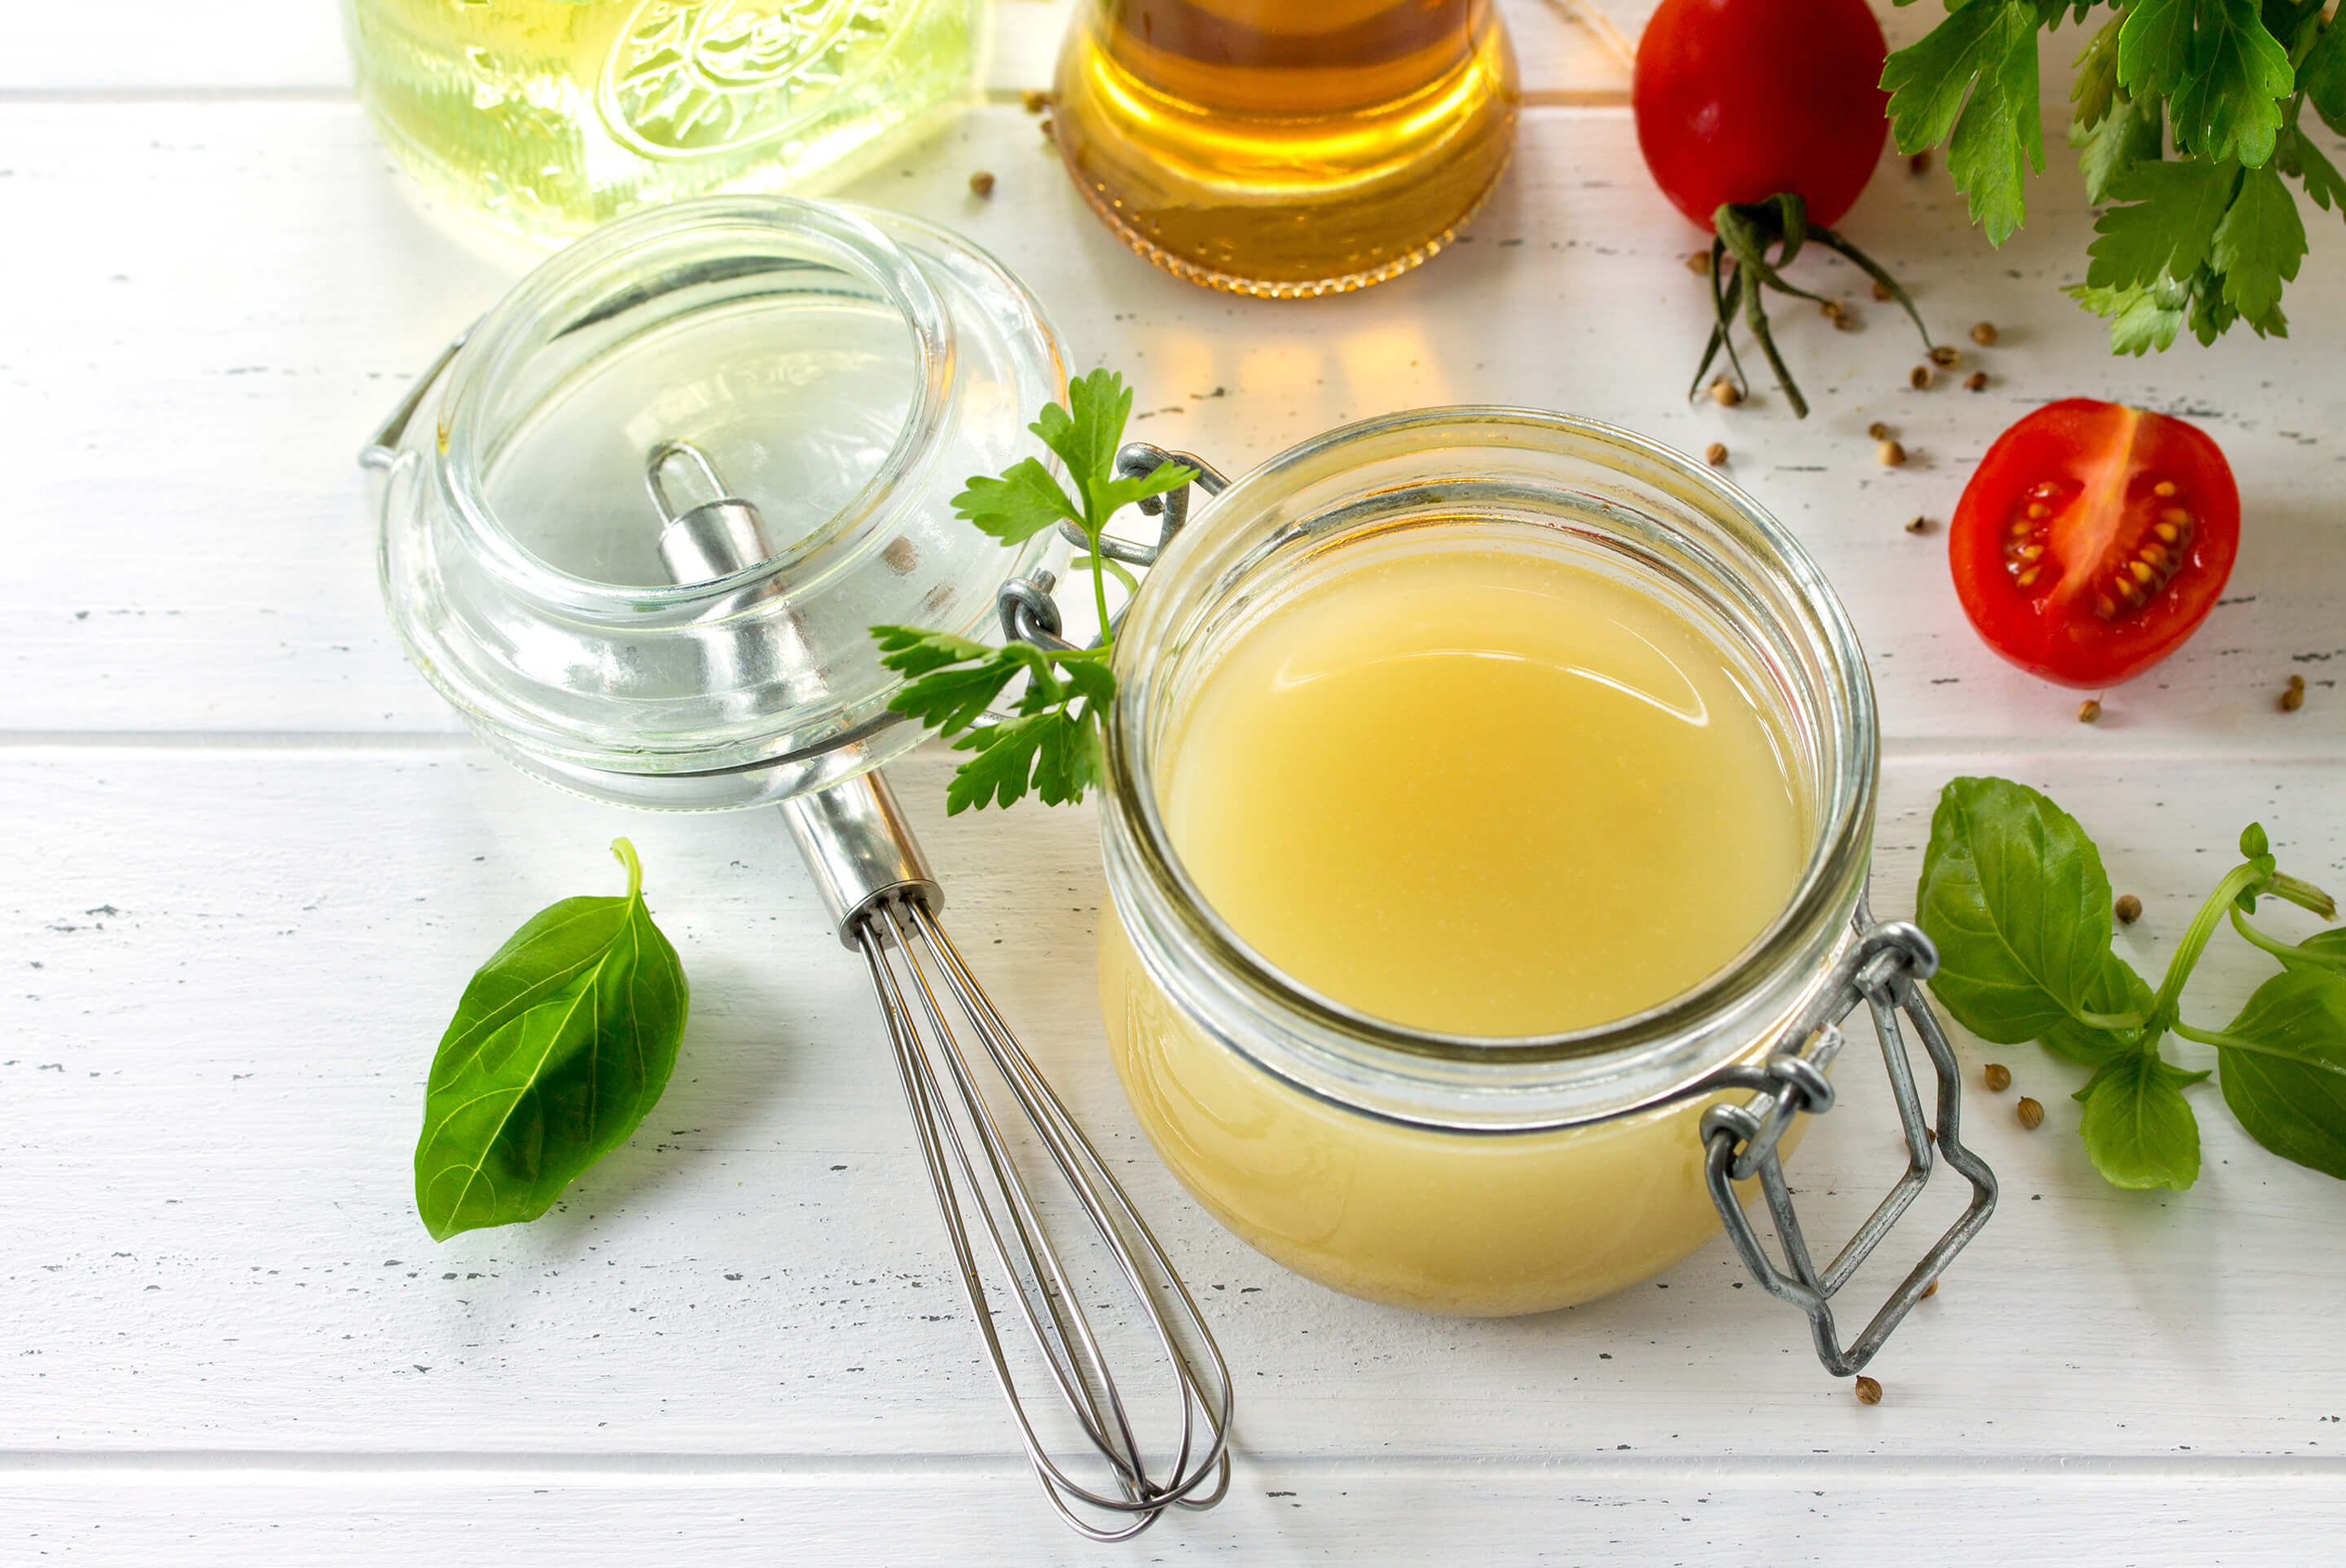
(1470, 791)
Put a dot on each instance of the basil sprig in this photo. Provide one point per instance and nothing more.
(2015, 897)
(560, 1044)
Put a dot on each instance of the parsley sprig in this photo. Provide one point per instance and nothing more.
(2189, 123)
(1053, 739)
(2015, 897)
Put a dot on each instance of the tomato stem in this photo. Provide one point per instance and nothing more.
(1743, 232)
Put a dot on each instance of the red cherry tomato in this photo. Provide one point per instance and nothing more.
(1739, 100)
(2094, 539)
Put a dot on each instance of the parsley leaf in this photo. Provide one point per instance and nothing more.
(2133, 131)
(2142, 317)
(2258, 247)
(2167, 230)
(2321, 76)
(1993, 128)
(2223, 74)
(1020, 504)
(2298, 156)
(1054, 742)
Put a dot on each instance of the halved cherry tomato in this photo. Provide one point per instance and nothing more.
(2094, 539)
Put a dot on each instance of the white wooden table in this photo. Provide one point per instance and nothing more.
(251, 860)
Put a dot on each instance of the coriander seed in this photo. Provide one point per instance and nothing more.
(1919, 377)
(1715, 453)
(1983, 334)
(2128, 909)
(1879, 431)
(2031, 1113)
(1724, 392)
(1996, 1077)
(1975, 381)
(2294, 696)
(1869, 1392)
(1698, 263)
(981, 183)
(1929, 1290)
(1920, 163)
(1918, 524)
(1033, 100)
(1945, 356)
(1890, 453)
(2090, 711)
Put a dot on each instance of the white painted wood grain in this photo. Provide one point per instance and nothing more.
(1614, 1516)
(202, 400)
(212, 1083)
(251, 863)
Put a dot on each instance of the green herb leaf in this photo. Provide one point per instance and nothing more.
(2322, 75)
(2258, 247)
(913, 651)
(1020, 504)
(2139, 1130)
(1086, 434)
(2130, 134)
(2119, 989)
(1997, 136)
(2284, 1065)
(2096, 90)
(2328, 948)
(2222, 74)
(560, 1044)
(2169, 230)
(2297, 157)
(2015, 898)
(2141, 318)
(951, 699)
(1050, 750)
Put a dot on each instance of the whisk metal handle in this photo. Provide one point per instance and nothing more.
(861, 850)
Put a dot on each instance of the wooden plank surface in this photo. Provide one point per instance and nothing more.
(253, 861)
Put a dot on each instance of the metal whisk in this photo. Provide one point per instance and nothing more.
(877, 886)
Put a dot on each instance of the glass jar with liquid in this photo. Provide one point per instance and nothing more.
(1483, 784)
(1286, 147)
(548, 117)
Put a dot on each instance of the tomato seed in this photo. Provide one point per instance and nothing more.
(2163, 489)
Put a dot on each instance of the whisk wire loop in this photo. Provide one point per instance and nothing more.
(912, 960)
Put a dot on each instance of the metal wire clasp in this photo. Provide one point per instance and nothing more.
(1885, 970)
(1029, 613)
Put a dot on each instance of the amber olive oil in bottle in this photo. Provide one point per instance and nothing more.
(1286, 147)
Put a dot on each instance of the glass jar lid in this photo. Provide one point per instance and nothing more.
(813, 380)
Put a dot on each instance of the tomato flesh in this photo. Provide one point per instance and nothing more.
(2094, 539)
(1739, 100)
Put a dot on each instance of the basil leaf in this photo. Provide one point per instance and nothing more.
(2015, 897)
(2329, 945)
(2139, 1131)
(2284, 1066)
(561, 1042)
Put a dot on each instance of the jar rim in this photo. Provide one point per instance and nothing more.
(611, 259)
(1631, 1047)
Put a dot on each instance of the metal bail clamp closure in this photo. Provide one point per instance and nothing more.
(1029, 613)
(1884, 969)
